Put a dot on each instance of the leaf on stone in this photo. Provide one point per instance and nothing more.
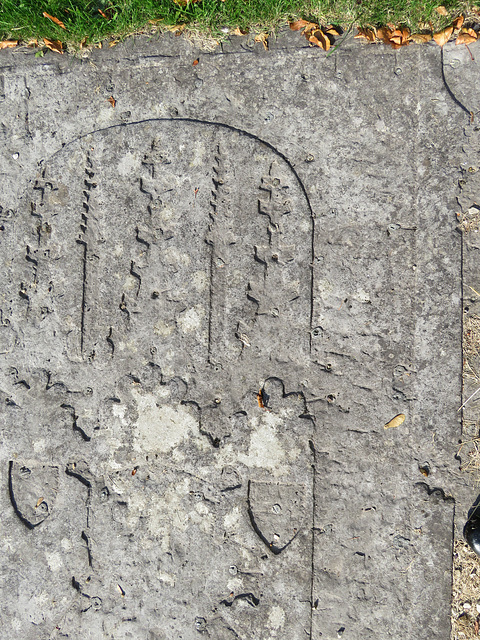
(260, 399)
(8, 44)
(238, 32)
(368, 34)
(458, 22)
(442, 37)
(395, 422)
(195, 62)
(441, 10)
(420, 38)
(53, 45)
(263, 38)
(467, 36)
(112, 101)
(53, 19)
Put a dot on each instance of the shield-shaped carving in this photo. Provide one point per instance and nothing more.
(276, 512)
(33, 489)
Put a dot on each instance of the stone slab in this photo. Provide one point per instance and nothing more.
(215, 296)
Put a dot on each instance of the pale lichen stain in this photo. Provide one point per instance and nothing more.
(160, 428)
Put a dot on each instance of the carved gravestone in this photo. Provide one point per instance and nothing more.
(158, 340)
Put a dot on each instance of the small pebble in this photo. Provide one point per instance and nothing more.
(467, 605)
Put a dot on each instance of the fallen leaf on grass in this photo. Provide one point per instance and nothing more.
(442, 37)
(441, 10)
(333, 30)
(8, 44)
(317, 35)
(263, 38)
(112, 101)
(400, 38)
(458, 22)
(467, 37)
(420, 38)
(396, 37)
(384, 34)
(176, 29)
(368, 34)
(300, 24)
(53, 45)
(55, 20)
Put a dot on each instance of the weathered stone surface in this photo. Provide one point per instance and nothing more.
(216, 296)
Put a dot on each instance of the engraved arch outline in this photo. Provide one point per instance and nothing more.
(240, 132)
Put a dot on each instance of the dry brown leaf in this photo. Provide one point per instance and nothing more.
(112, 101)
(263, 38)
(310, 28)
(176, 28)
(53, 45)
(368, 34)
(333, 30)
(8, 44)
(421, 38)
(299, 24)
(400, 37)
(466, 37)
(195, 62)
(384, 34)
(320, 40)
(83, 42)
(53, 19)
(39, 502)
(442, 37)
(238, 32)
(458, 22)
(32, 43)
(103, 14)
(441, 10)
(395, 422)
(113, 43)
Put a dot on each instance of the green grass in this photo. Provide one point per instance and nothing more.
(23, 19)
